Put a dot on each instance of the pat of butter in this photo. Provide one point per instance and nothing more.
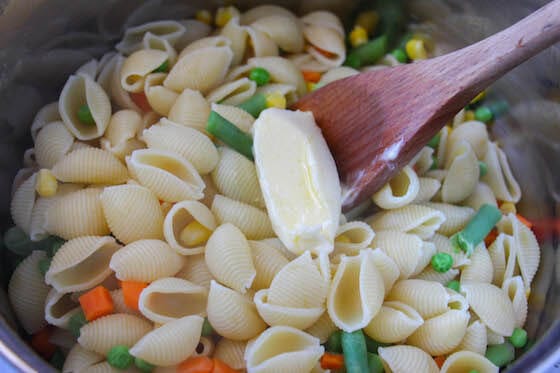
(298, 178)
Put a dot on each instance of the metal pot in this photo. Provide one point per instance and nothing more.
(44, 41)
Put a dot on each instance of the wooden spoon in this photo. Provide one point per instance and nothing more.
(375, 122)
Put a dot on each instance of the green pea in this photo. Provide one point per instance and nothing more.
(76, 322)
(44, 265)
(434, 164)
(374, 363)
(163, 68)
(483, 114)
(518, 338)
(119, 357)
(442, 262)
(84, 115)
(500, 355)
(334, 343)
(207, 329)
(259, 75)
(483, 168)
(143, 365)
(455, 285)
(400, 55)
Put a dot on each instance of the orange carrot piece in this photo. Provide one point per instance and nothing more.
(141, 101)
(196, 364)
(96, 303)
(332, 361)
(41, 344)
(131, 292)
(325, 53)
(491, 237)
(439, 360)
(311, 76)
(525, 221)
(221, 367)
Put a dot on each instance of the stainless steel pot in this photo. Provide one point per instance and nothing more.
(43, 41)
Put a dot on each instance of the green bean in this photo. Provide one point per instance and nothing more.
(477, 228)
(355, 353)
(254, 105)
(227, 132)
(76, 322)
(374, 363)
(500, 355)
(368, 53)
(372, 345)
(391, 18)
(143, 365)
(57, 359)
(163, 68)
(207, 329)
(483, 168)
(434, 142)
(334, 343)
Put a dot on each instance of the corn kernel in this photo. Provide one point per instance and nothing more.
(416, 50)
(223, 15)
(204, 16)
(358, 36)
(508, 207)
(341, 238)
(368, 20)
(194, 234)
(478, 97)
(469, 115)
(276, 100)
(310, 86)
(46, 184)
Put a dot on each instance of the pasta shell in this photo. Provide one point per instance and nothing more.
(90, 166)
(324, 18)
(282, 71)
(336, 74)
(120, 136)
(205, 347)
(171, 177)
(428, 298)
(406, 250)
(82, 90)
(401, 359)
(299, 284)
(358, 234)
(401, 190)
(387, 268)
(200, 70)
(23, 201)
(462, 175)
(414, 219)
(233, 93)
(168, 299)
(195, 30)
(237, 36)
(196, 271)
(209, 41)
(427, 189)
(285, 31)
(286, 90)
(113, 84)
(171, 343)
(79, 358)
(132, 212)
(52, 143)
(268, 262)
(238, 117)
(499, 176)
(145, 261)
(503, 253)
(232, 315)
(283, 349)
(442, 147)
(467, 360)
(456, 217)
(231, 352)
(47, 114)
(228, 257)
(81, 263)
(151, 41)
(182, 214)
(169, 30)
(429, 274)
(137, 66)
(102, 334)
(475, 133)
(77, 214)
(394, 322)
(323, 328)
(494, 338)
(189, 143)
(27, 292)
(260, 44)
(190, 109)
(37, 228)
(480, 268)
(452, 324)
(59, 308)
(443, 245)
(515, 291)
(325, 39)
(422, 162)
(492, 306)
(475, 339)
(253, 222)
(482, 194)
(299, 318)
(261, 11)
(161, 99)
(356, 293)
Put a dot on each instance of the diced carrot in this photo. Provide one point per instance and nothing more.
(196, 364)
(221, 367)
(311, 76)
(439, 360)
(41, 344)
(491, 237)
(325, 53)
(332, 361)
(96, 303)
(527, 223)
(131, 292)
(141, 101)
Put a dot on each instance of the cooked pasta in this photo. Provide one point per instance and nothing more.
(475, 338)
(22, 204)
(196, 271)
(231, 352)
(190, 109)
(59, 308)
(406, 250)
(401, 190)
(252, 221)
(267, 261)
(79, 358)
(402, 358)
(428, 298)
(480, 268)
(416, 219)
(52, 143)
(394, 322)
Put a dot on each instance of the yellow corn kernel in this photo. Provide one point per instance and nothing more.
(429, 43)
(416, 50)
(341, 238)
(276, 99)
(46, 184)
(469, 115)
(194, 234)
(204, 16)
(310, 86)
(223, 15)
(358, 36)
(478, 97)
(368, 20)
(508, 207)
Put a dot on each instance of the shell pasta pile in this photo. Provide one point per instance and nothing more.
(173, 215)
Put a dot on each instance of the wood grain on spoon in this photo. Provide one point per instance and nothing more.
(375, 122)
